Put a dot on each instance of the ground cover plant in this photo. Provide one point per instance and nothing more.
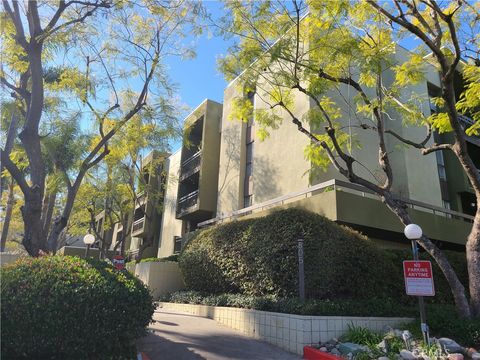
(62, 307)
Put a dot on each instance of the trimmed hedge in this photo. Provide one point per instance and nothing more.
(364, 307)
(259, 257)
(62, 307)
(173, 258)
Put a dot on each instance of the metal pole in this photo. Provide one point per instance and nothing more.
(87, 250)
(421, 304)
(301, 271)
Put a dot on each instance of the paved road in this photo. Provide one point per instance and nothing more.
(180, 336)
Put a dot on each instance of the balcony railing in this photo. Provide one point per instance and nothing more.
(192, 163)
(187, 201)
(465, 120)
(138, 225)
(334, 185)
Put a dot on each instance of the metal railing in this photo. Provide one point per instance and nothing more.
(334, 185)
(192, 163)
(138, 225)
(187, 201)
(466, 120)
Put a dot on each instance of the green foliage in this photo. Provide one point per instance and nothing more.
(444, 321)
(259, 257)
(443, 294)
(361, 335)
(164, 259)
(433, 351)
(366, 307)
(63, 307)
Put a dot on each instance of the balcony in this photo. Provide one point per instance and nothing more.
(138, 227)
(191, 165)
(186, 202)
(465, 120)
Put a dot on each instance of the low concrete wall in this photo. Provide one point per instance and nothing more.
(80, 252)
(7, 258)
(161, 277)
(290, 332)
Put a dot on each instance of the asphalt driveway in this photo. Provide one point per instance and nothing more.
(180, 336)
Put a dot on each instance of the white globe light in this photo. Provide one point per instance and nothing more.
(88, 239)
(413, 231)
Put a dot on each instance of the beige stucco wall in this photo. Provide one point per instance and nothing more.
(421, 173)
(8, 258)
(170, 225)
(210, 153)
(231, 155)
(161, 277)
(279, 164)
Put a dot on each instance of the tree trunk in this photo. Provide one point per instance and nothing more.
(458, 290)
(33, 239)
(8, 215)
(49, 206)
(61, 221)
(473, 264)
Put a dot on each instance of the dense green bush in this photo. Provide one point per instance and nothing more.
(62, 307)
(443, 294)
(443, 321)
(365, 307)
(259, 257)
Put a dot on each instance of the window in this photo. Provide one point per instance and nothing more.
(249, 141)
(441, 165)
(177, 244)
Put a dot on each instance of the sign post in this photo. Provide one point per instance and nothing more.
(418, 277)
(119, 262)
(301, 271)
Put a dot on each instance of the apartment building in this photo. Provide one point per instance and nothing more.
(223, 172)
(255, 176)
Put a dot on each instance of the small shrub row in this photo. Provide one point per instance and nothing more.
(173, 258)
(63, 307)
(371, 307)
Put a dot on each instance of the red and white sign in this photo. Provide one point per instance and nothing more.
(418, 278)
(119, 262)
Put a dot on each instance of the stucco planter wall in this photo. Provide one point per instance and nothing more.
(161, 277)
(7, 258)
(290, 332)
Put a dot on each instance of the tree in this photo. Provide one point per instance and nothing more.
(438, 28)
(122, 62)
(322, 48)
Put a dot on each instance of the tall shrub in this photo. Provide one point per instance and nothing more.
(63, 307)
(259, 257)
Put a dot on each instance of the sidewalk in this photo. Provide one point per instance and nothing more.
(179, 336)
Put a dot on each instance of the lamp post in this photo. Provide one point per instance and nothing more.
(88, 240)
(413, 232)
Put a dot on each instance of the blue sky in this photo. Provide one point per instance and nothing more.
(198, 79)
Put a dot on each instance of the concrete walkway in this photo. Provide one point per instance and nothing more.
(180, 336)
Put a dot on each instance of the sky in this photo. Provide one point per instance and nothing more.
(198, 79)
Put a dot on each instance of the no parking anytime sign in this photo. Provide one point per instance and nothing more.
(418, 278)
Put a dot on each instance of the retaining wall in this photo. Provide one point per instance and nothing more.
(290, 332)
